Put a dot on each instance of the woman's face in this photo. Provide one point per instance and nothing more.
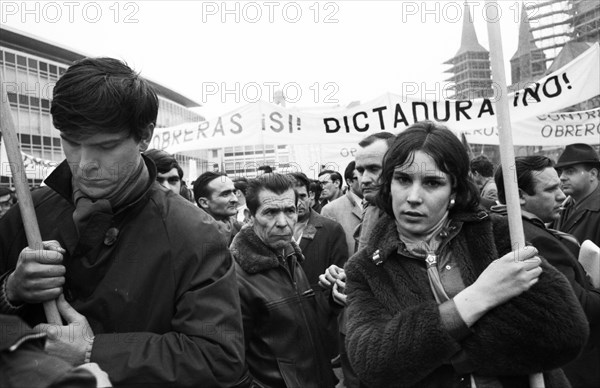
(420, 194)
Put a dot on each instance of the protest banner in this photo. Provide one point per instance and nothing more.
(265, 123)
(555, 129)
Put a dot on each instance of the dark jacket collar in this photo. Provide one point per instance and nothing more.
(592, 201)
(525, 215)
(254, 256)
(384, 239)
(61, 180)
(315, 221)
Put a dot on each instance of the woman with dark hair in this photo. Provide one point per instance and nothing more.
(437, 298)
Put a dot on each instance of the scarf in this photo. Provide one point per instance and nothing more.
(425, 247)
(93, 221)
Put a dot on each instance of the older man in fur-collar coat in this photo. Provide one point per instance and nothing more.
(283, 338)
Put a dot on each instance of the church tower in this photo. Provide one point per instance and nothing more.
(472, 75)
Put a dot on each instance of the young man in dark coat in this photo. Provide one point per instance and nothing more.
(284, 342)
(143, 280)
(541, 199)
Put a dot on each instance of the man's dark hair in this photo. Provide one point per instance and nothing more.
(105, 94)
(334, 175)
(482, 165)
(367, 141)
(349, 171)
(201, 184)
(164, 162)
(447, 152)
(185, 192)
(315, 187)
(299, 179)
(241, 184)
(266, 168)
(274, 182)
(525, 166)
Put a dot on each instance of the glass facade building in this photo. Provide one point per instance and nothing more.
(245, 160)
(30, 67)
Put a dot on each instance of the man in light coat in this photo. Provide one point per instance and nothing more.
(347, 210)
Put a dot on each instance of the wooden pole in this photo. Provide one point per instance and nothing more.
(32, 230)
(507, 152)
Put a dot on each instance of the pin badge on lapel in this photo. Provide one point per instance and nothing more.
(111, 236)
(377, 260)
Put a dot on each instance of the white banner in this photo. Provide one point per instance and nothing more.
(265, 123)
(555, 129)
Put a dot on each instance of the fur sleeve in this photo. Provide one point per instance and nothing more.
(543, 328)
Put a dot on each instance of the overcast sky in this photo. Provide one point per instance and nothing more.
(321, 53)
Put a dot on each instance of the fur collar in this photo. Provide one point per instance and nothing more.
(254, 256)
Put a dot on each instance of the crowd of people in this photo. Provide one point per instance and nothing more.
(398, 273)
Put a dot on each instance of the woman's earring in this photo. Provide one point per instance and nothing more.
(451, 204)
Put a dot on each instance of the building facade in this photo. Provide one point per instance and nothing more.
(551, 34)
(246, 160)
(30, 67)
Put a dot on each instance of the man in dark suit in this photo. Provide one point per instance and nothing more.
(323, 244)
(540, 197)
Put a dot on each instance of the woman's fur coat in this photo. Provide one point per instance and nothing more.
(395, 337)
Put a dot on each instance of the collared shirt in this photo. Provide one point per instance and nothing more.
(299, 231)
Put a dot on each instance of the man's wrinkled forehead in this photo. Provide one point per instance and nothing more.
(271, 200)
